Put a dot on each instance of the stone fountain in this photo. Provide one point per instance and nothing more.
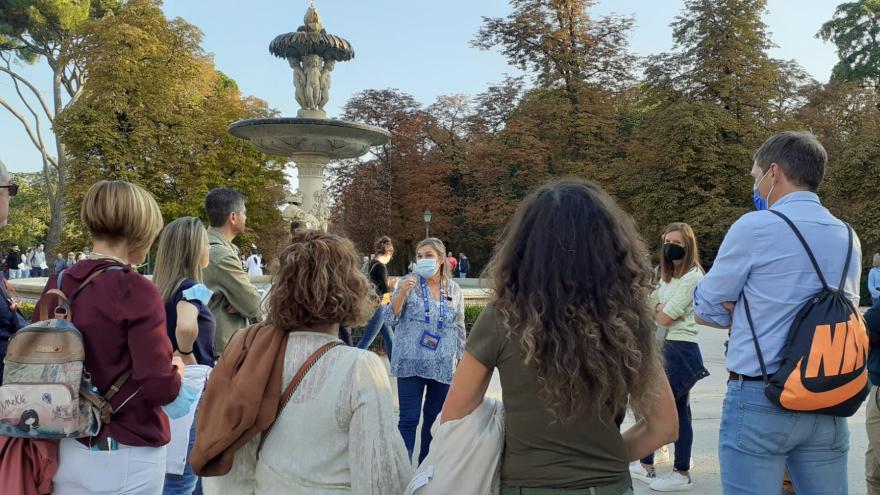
(310, 139)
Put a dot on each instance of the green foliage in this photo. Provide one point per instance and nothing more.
(854, 30)
(155, 112)
(29, 217)
(471, 313)
(27, 309)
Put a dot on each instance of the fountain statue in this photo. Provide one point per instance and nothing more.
(310, 139)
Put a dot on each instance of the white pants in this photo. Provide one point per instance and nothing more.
(128, 471)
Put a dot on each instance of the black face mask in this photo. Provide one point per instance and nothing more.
(673, 252)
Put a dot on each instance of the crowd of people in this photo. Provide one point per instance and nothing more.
(216, 392)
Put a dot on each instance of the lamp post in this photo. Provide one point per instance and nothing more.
(427, 221)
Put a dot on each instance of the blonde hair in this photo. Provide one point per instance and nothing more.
(118, 210)
(437, 246)
(180, 255)
(877, 260)
(691, 252)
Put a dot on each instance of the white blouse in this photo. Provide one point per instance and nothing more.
(337, 434)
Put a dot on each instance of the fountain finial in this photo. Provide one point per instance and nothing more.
(312, 54)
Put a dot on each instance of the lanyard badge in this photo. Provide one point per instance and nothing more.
(441, 320)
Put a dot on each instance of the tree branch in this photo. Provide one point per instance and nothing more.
(15, 76)
(30, 132)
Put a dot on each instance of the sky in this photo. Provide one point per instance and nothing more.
(418, 46)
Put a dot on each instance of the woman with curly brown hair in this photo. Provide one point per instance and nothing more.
(336, 433)
(571, 332)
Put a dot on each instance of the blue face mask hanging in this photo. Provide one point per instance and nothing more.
(761, 203)
(426, 267)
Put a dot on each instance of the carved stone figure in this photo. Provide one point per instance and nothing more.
(312, 69)
(299, 81)
(325, 82)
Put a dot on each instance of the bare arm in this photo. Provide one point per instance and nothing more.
(658, 425)
(187, 330)
(468, 389)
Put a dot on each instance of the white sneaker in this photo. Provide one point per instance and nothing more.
(672, 481)
(637, 471)
(661, 456)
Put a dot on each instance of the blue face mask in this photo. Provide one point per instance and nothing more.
(761, 203)
(182, 404)
(426, 267)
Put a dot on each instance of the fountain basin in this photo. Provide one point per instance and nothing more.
(334, 139)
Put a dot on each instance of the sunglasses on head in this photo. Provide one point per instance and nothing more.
(12, 188)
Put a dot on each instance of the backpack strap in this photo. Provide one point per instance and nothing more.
(62, 311)
(755, 339)
(806, 247)
(294, 384)
(842, 285)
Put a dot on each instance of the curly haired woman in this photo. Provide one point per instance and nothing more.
(571, 332)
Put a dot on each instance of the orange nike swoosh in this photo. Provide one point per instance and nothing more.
(796, 397)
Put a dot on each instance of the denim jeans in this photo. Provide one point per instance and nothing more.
(14, 274)
(187, 483)
(410, 391)
(759, 440)
(374, 326)
(685, 441)
(872, 455)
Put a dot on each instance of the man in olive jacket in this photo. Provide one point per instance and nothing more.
(235, 299)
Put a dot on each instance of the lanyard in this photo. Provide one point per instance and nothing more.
(427, 303)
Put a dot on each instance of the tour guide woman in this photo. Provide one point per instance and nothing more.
(427, 310)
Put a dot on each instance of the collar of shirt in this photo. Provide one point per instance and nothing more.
(215, 237)
(796, 196)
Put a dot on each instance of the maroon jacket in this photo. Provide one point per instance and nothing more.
(122, 320)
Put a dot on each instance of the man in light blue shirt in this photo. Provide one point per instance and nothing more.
(762, 258)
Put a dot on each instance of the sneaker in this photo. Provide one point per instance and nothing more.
(639, 472)
(672, 481)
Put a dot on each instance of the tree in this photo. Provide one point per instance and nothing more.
(29, 214)
(155, 112)
(47, 30)
(855, 31)
(705, 108)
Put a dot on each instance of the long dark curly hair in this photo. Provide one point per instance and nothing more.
(571, 278)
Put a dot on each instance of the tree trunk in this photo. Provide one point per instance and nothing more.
(56, 200)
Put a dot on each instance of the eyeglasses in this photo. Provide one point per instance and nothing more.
(12, 187)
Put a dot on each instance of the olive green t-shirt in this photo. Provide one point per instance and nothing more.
(538, 452)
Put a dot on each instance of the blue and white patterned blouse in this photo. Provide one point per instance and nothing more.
(410, 357)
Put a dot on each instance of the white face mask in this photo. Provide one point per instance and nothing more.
(426, 267)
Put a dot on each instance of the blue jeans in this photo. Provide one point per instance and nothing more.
(410, 391)
(187, 483)
(374, 326)
(685, 441)
(759, 440)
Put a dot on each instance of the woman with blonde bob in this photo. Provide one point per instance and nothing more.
(571, 332)
(673, 299)
(427, 311)
(336, 433)
(183, 254)
(122, 321)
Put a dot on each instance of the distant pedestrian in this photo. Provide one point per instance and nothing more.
(872, 416)
(14, 261)
(378, 273)
(453, 263)
(39, 268)
(71, 259)
(464, 265)
(27, 262)
(874, 280)
(254, 263)
(60, 264)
